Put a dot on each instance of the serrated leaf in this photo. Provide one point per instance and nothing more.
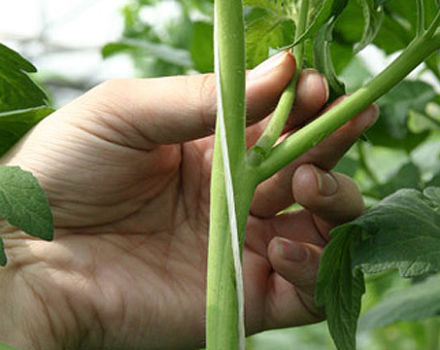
(340, 288)
(17, 90)
(416, 302)
(265, 33)
(15, 124)
(164, 52)
(405, 234)
(23, 203)
(202, 47)
(373, 20)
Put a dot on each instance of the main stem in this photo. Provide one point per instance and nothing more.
(223, 319)
(310, 135)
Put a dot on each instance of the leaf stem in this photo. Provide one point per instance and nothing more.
(274, 128)
(316, 131)
(433, 28)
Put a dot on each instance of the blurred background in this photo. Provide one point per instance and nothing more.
(76, 44)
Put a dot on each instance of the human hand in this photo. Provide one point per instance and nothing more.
(126, 168)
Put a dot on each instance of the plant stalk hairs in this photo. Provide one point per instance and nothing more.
(237, 171)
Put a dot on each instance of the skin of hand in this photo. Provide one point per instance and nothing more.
(126, 168)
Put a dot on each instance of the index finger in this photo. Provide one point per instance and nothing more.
(177, 109)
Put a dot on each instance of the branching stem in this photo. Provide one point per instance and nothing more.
(274, 128)
(316, 131)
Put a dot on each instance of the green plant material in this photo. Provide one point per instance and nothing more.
(202, 47)
(406, 236)
(401, 23)
(274, 128)
(265, 33)
(330, 121)
(224, 312)
(164, 52)
(408, 176)
(324, 61)
(402, 232)
(24, 204)
(4, 346)
(340, 288)
(391, 130)
(419, 301)
(373, 20)
(17, 90)
(319, 13)
(280, 8)
(15, 124)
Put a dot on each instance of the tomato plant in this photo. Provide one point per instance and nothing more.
(368, 244)
(395, 167)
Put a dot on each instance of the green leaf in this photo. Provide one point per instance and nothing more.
(15, 124)
(391, 130)
(280, 8)
(405, 234)
(320, 12)
(202, 47)
(400, 23)
(408, 176)
(373, 20)
(378, 3)
(340, 288)
(17, 90)
(23, 202)
(264, 33)
(164, 52)
(416, 302)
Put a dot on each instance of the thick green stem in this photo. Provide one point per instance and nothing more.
(222, 307)
(230, 183)
(274, 128)
(316, 131)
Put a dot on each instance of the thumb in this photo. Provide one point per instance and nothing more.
(183, 108)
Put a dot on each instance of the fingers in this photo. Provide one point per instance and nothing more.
(332, 198)
(290, 298)
(177, 109)
(275, 193)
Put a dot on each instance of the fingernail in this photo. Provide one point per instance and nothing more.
(313, 78)
(327, 184)
(290, 250)
(267, 66)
